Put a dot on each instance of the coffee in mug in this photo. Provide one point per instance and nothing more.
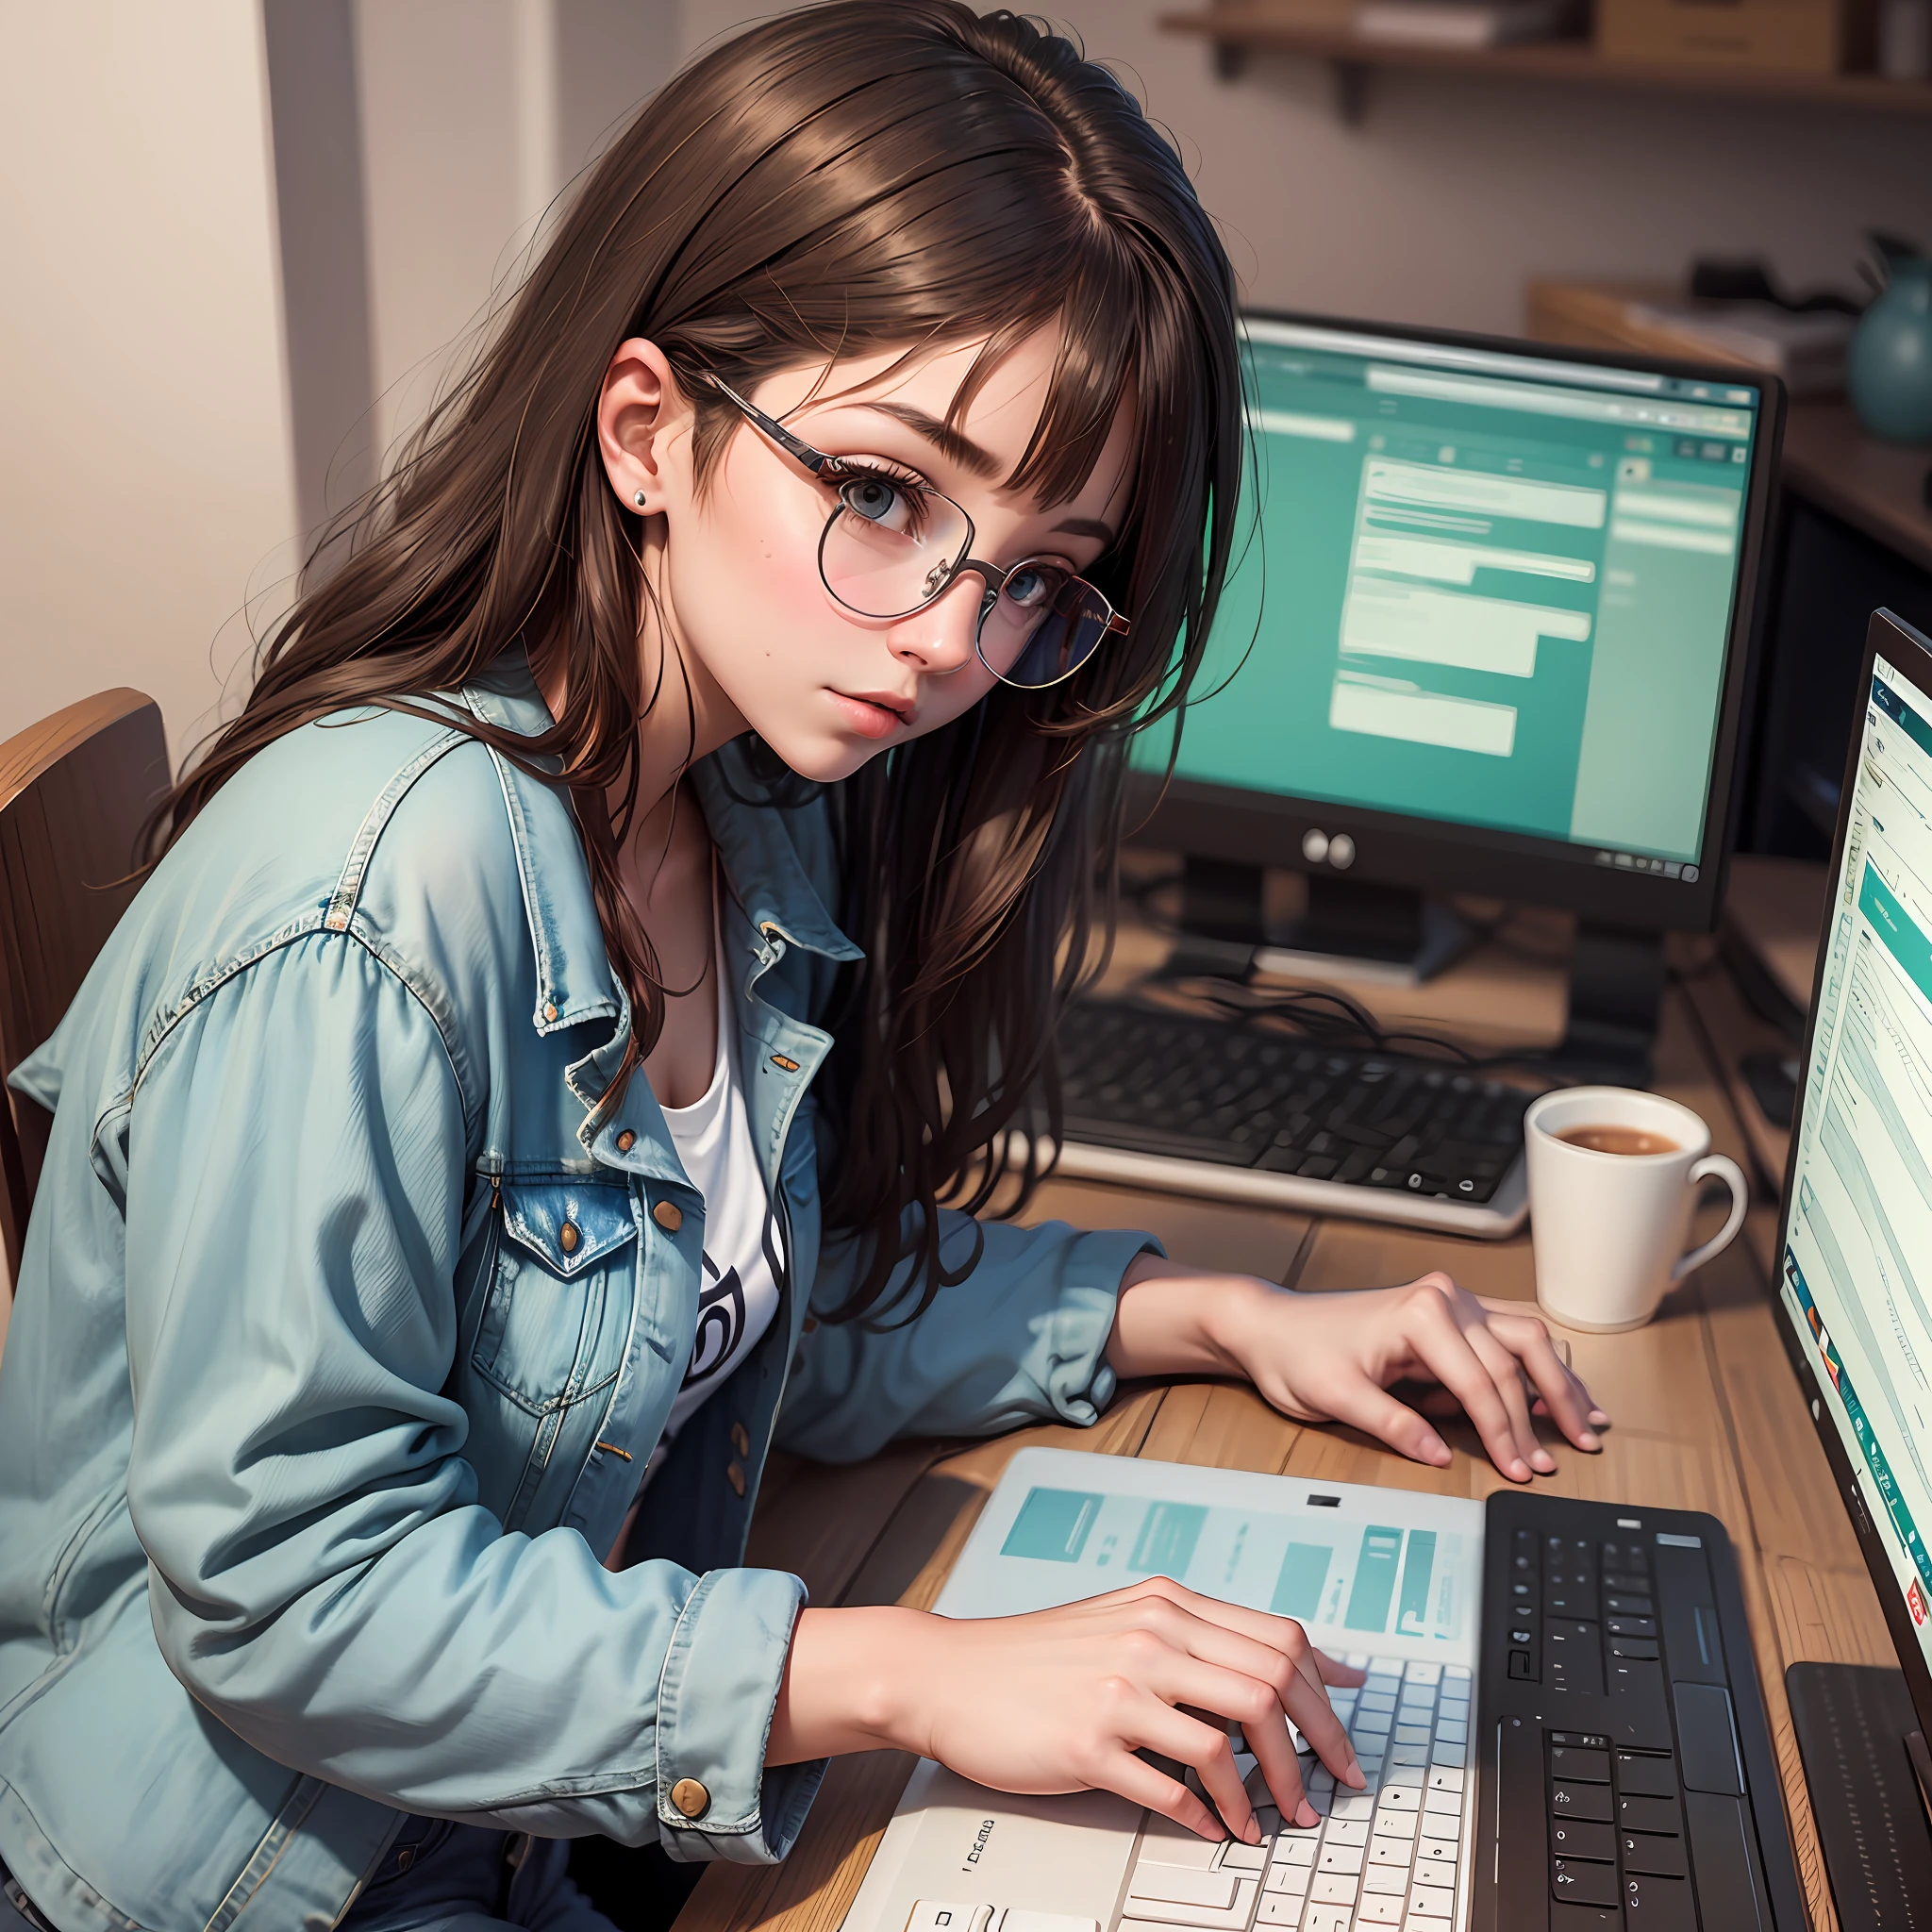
(1613, 1176)
(1615, 1140)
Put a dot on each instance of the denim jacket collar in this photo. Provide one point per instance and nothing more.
(766, 877)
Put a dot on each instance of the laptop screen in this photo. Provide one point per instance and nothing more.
(1857, 1261)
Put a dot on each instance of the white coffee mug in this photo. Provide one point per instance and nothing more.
(1609, 1229)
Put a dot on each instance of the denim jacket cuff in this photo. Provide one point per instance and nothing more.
(1081, 1381)
(715, 1699)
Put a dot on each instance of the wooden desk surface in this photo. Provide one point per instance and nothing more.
(1705, 1416)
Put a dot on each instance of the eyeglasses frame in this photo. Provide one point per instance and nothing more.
(826, 468)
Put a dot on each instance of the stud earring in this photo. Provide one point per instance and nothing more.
(638, 498)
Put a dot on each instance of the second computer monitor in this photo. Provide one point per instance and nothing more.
(1487, 624)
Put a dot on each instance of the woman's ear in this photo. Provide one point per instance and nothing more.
(643, 427)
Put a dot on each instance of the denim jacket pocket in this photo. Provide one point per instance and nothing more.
(559, 1244)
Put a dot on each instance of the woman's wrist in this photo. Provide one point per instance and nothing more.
(851, 1683)
(1172, 1320)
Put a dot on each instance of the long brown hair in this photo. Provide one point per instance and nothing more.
(848, 177)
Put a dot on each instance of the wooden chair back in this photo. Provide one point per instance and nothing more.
(74, 790)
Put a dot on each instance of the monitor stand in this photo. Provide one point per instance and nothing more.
(1388, 936)
(1383, 935)
(1871, 1784)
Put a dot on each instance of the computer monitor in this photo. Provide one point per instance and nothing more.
(1487, 632)
(1856, 1239)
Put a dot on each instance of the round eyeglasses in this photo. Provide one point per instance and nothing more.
(893, 545)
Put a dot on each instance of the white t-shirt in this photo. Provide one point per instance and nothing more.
(738, 1294)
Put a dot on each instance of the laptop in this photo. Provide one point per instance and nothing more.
(1560, 1726)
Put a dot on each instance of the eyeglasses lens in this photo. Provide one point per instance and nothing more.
(885, 554)
(1037, 644)
(882, 555)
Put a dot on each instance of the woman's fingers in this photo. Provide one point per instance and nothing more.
(1444, 1349)
(1271, 1651)
(1506, 1372)
(1209, 1752)
(1564, 1398)
(1334, 1671)
(1136, 1781)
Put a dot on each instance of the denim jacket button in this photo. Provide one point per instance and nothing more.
(667, 1216)
(626, 1140)
(735, 1477)
(690, 1797)
(566, 1236)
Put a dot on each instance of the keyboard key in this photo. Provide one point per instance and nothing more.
(1295, 1848)
(940, 1915)
(1446, 1778)
(1441, 1753)
(1648, 1777)
(1278, 1908)
(1443, 1803)
(1572, 1766)
(1325, 1919)
(1390, 1881)
(1619, 1606)
(1016, 1919)
(1397, 1797)
(1583, 1883)
(1580, 1801)
(1332, 1889)
(1428, 1873)
(1346, 1858)
(1646, 1852)
(1413, 1755)
(1379, 1908)
(1577, 1838)
(1384, 1850)
(1648, 1814)
(1453, 1734)
(1659, 1905)
(1630, 1626)
(1171, 1884)
(1431, 1901)
(1634, 1646)
(1419, 1733)
(1292, 1878)
(1444, 1851)
(1346, 1831)
(1399, 1824)
(1354, 1804)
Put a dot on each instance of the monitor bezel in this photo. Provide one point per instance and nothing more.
(1891, 637)
(1243, 825)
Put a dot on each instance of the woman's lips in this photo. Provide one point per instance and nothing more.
(869, 717)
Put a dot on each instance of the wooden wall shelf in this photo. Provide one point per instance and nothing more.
(1236, 36)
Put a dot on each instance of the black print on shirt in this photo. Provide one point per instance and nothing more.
(721, 1322)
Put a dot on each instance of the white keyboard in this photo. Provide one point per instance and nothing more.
(1388, 1855)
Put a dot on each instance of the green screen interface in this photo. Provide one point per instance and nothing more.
(1488, 589)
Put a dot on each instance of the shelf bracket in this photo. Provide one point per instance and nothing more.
(1231, 59)
(1351, 91)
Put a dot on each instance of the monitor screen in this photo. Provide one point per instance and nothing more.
(1489, 589)
(1857, 1260)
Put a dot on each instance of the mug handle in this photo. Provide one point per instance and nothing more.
(1733, 1177)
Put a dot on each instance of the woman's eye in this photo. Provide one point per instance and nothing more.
(1034, 586)
(880, 500)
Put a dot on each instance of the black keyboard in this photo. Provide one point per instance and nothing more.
(1625, 1771)
(1151, 1082)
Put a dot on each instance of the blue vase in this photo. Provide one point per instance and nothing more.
(1889, 368)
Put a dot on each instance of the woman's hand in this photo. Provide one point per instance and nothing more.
(1063, 1700)
(1332, 1357)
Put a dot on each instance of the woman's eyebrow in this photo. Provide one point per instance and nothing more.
(1085, 526)
(950, 443)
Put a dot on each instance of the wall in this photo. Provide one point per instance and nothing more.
(148, 480)
(1453, 193)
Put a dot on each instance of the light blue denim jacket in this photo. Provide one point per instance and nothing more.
(314, 1421)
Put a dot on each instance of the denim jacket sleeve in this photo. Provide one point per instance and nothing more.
(1020, 1340)
(322, 1577)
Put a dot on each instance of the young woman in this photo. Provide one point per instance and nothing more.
(482, 1134)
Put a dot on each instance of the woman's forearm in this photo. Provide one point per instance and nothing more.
(846, 1681)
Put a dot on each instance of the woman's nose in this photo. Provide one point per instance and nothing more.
(939, 639)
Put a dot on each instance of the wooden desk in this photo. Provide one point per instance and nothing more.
(1706, 1416)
